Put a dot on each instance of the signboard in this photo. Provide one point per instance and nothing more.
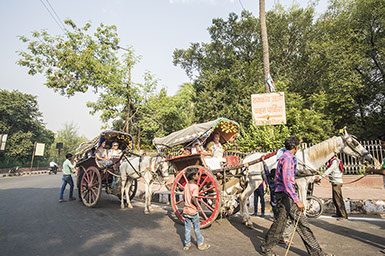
(3, 140)
(39, 150)
(268, 108)
(59, 145)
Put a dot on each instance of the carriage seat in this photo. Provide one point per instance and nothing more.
(212, 163)
(232, 160)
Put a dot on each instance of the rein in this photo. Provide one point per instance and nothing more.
(233, 167)
(319, 173)
(154, 174)
(138, 173)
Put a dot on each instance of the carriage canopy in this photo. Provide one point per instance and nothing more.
(227, 129)
(125, 141)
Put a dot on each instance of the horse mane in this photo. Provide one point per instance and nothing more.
(322, 149)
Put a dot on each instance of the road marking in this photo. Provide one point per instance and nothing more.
(354, 218)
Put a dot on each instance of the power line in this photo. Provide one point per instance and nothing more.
(242, 5)
(53, 16)
(56, 14)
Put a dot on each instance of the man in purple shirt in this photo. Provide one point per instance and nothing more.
(289, 205)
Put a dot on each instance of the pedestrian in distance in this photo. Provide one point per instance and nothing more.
(68, 165)
(289, 205)
(334, 170)
(190, 211)
(259, 195)
(381, 170)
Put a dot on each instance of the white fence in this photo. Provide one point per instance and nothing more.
(352, 165)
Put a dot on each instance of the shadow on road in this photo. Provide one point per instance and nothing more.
(34, 223)
(257, 233)
(364, 237)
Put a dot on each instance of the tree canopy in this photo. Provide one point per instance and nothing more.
(22, 121)
(69, 136)
(79, 61)
(330, 67)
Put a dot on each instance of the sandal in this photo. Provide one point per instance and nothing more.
(187, 247)
(204, 247)
(62, 200)
(72, 199)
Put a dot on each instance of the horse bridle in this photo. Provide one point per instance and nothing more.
(352, 147)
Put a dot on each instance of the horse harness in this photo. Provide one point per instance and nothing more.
(353, 144)
(139, 173)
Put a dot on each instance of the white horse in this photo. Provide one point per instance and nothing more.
(311, 159)
(149, 168)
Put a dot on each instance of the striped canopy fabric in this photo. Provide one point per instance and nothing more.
(228, 129)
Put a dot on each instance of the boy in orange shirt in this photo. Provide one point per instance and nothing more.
(190, 210)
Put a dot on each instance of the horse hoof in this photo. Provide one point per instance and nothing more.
(122, 207)
(146, 212)
(130, 206)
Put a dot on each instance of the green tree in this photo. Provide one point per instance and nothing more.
(159, 115)
(229, 69)
(353, 57)
(69, 136)
(78, 61)
(22, 121)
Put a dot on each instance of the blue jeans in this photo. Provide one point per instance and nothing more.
(67, 179)
(259, 193)
(194, 219)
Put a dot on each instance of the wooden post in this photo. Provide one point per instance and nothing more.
(33, 154)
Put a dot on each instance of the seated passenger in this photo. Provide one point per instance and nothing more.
(216, 147)
(114, 152)
(198, 148)
(208, 157)
(101, 155)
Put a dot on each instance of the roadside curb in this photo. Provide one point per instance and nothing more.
(24, 173)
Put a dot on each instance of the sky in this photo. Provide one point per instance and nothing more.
(154, 28)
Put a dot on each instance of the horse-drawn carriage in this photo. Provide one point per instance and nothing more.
(225, 190)
(93, 177)
(222, 191)
(219, 188)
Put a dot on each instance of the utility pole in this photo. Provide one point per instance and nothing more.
(128, 96)
(265, 44)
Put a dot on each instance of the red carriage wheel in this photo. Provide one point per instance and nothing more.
(91, 186)
(209, 198)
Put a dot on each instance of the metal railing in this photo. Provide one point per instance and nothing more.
(351, 164)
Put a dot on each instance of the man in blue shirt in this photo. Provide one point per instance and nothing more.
(289, 205)
(68, 165)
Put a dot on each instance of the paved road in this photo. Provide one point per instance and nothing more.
(32, 222)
